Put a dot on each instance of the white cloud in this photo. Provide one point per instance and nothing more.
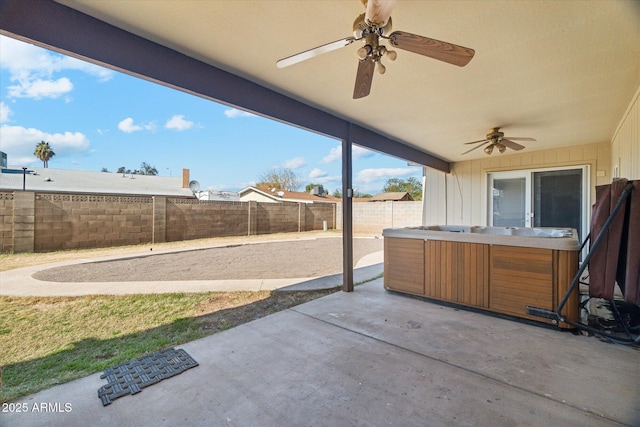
(318, 176)
(19, 142)
(178, 122)
(5, 112)
(317, 173)
(39, 88)
(127, 126)
(357, 152)
(19, 57)
(234, 113)
(32, 70)
(334, 154)
(295, 163)
(367, 176)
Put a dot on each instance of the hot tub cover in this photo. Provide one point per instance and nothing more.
(617, 258)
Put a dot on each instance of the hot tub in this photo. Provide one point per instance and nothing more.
(500, 269)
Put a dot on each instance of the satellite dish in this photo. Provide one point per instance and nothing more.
(194, 186)
(280, 193)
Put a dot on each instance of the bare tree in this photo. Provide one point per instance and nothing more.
(279, 178)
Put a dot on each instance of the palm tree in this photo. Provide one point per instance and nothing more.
(44, 152)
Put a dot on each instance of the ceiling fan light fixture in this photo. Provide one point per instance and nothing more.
(364, 51)
(496, 139)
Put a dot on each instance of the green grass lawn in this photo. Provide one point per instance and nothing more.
(52, 340)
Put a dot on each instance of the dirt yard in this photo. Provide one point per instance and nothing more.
(267, 260)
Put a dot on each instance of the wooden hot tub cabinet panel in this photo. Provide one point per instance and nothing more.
(521, 277)
(567, 265)
(404, 265)
(457, 272)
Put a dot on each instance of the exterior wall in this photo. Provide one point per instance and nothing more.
(373, 217)
(193, 219)
(277, 217)
(625, 147)
(46, 222)
(23, 221)
(460, 197)
(6, 222)
(252, 196)
(316, 213)
(65, 221)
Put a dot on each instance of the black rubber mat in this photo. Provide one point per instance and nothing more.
(133, 376)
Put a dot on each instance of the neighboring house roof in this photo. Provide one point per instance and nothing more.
(249, 193)
(74, 181)
(399, 196)
(222, 196)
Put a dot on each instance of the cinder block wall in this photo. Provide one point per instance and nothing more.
(6, 222)
(48, 222)
(316, 213)
(65, 221)
(373, 217)
(193, 219)
(277, 218)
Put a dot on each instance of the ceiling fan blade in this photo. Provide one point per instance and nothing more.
(364, 78)
(515, 138)
(311, 53)
(476, 147)
(511, 144)
(475, 142)
(379, 11)
(436, 49)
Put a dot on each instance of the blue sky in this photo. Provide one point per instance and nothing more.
(94, 118)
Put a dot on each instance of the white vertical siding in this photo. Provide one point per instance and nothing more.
(434, 198)
(625, 147)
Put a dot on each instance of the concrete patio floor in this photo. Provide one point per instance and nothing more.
(372, 358)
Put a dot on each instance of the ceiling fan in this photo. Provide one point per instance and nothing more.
(499, 141)
(371, 27)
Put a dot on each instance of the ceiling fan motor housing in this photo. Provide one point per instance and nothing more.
(495, 134)
(362, 28)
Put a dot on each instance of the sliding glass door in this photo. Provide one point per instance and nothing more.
(540, 198)
(510, 200)
(557, 199)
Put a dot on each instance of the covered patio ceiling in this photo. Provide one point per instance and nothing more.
(562, 72)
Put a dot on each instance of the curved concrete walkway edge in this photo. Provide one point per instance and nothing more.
(19, 282)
